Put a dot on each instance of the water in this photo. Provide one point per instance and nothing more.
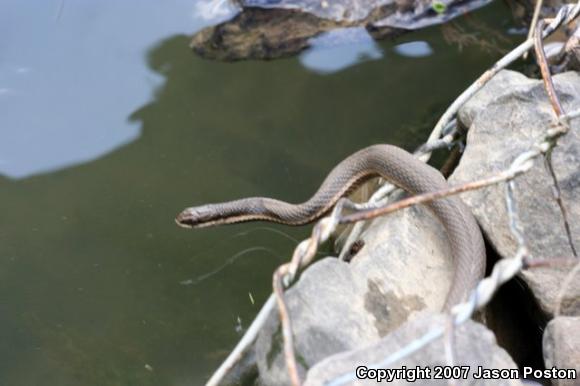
(110, 126)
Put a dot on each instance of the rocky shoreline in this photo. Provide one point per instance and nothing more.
(345, 315)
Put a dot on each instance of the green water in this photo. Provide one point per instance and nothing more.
(110, 126)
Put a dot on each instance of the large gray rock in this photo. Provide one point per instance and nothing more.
(504, 119)
(562, 347)
(403, 268)
(474, 346)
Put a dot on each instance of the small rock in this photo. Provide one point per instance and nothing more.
(562, 347)
(569, 57)
(474, 346)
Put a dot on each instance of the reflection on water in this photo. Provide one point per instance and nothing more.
(214, 10)
(93, 271)
(338, 49)
(418, 49)
(80, 67)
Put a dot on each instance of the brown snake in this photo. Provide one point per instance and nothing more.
(393, 164)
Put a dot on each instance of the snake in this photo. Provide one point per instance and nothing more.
(394, 165)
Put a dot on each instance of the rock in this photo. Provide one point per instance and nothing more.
(259, 33)
(402, 269)
(504, 119)
(523, 10)
(244, 372)
(328, 316)
(337, 10)
(562, 346)
(569, 57)
(474, 346)
(267, 29)
(406, 256)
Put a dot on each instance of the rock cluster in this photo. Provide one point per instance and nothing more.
(504, 119)
(349, 314)
(276, 29)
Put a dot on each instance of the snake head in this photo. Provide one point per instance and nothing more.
(197, 217)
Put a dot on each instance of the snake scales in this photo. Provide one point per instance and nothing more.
(393, 164)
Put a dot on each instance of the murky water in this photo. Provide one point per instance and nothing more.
(110, 126)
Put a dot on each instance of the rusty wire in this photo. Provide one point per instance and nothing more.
(555, 261)
(503, 270)
(545, 70)
(289, 355)
(559, 112)
(368, 214)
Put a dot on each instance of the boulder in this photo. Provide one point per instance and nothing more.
(403, 269)
(562, 346)
(474, 346)
(506, 118)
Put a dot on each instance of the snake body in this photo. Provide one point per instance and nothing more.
(387, 161)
